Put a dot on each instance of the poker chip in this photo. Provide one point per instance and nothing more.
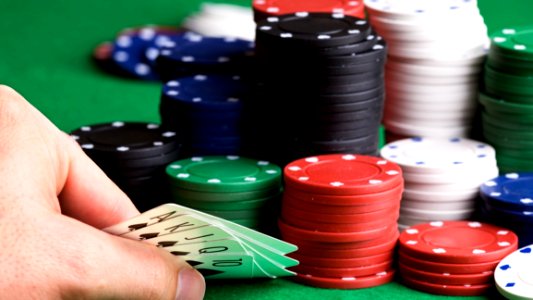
(446, 278)
(446, 268)
(430, 57)
(205, 55)
(342, 174)
(377, 279)
(269, 8)
(458, 242)
(343, 272)
(448, 289)
(512, 275)
(133, 155)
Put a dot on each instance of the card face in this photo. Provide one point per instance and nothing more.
(219, 249)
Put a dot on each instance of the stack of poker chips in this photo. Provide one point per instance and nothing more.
(507, 201)
(436, 51)
(272, 8)
(513, 272)
(341, 211)
(320, 86)
(507, 116)
(442, 177)
(239, 189)
(455, 258)
(134, 155)
(206, 112)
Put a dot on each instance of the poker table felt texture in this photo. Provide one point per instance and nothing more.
(45, 49)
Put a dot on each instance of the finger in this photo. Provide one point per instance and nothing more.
(89, 195)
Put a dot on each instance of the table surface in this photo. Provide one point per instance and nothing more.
(45, 51)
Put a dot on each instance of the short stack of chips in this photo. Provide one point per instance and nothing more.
(321, 80)
(206, 112)
(436, 51)
(134, 155)
(507, 117)
(271, 8)
(442, 176)
(238, 189)
(455, 258)
(507, 201)
(513, 274)
(341, 211)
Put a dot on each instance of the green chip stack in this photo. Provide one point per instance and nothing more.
(507, 116)
(238, 189)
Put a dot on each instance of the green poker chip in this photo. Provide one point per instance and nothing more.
(515, 42)
(519, 164)
(180, 193)
(223, 206)
(506, 123)
(508, 79)
(224, 174)
(511, 65)
(512, 134)
(505, 142)
(493, 104)
(513, 153)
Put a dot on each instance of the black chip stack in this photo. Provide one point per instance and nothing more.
(320, 86)
(134, 155)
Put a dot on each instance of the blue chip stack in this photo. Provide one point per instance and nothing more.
(206, 112)
(507, 201)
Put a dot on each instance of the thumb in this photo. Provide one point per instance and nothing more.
(128, 269)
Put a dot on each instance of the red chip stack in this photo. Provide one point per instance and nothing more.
(341, 212)
(455, 258)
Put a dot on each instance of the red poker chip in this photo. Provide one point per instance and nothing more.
(288, 212)
(346, 253)
(449, 290)
(342, 174)
(458, 242)
(385, 237)
(435, 267)
(265, 8)
(336, 209)
(382, 198)
(342, 272)
(346, 282)
(341, 228)
(334, 237)
(103, 51)
(342, 262)
(446, 278)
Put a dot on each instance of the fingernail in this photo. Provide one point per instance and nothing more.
(191, 285)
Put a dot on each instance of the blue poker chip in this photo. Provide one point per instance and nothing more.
(135, 52)
(207, 92)
(512, 191)
(164, 41)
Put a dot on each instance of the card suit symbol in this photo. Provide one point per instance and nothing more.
(209, 272)
(179, 253)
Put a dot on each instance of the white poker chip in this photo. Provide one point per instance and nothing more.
(514, 274)
(414, 118)
(398, 75)
(443, 118)
(413, 9)
(431, 89)
(438, 155)
(452, 98)
(474, 175)
(419, 69)
(405, 129)
(411, 192)
(436, 214)
(439, 205)
(400, 102)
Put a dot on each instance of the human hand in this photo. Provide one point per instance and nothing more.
(53, 201)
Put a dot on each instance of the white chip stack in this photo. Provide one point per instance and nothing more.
(442, 177)
(436, 51)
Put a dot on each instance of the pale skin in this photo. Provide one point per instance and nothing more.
(53, 202)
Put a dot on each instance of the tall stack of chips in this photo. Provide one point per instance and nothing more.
(436, 49)
(507, 101)
(442, 177)
(321, 80)
(239, 189)
(455, 258)
(341, 211)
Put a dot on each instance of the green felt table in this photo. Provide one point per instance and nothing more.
(45, 48)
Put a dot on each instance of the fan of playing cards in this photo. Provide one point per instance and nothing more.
(217, 248)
